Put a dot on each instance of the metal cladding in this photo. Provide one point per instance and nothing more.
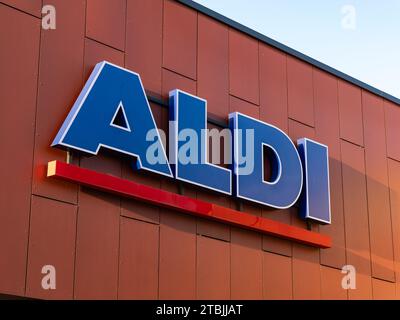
(105, 246)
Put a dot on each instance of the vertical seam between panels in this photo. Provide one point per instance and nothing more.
(120, 218)
(125, 27)
(313, 97)
(229, 111)
(33, 157)
(388, 187)
(196, 221)
(258, 79)
(341, 182)
(79, 159)
(287, 124)
(121, 162)
(166, 144)
(366, 192)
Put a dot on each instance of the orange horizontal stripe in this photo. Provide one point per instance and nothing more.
(130, 189)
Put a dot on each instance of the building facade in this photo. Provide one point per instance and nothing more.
(105, 246)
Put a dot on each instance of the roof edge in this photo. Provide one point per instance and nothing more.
(280, 46)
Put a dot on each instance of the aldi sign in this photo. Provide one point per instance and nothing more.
(260, 162)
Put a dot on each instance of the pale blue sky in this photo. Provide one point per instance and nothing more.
(366, 48)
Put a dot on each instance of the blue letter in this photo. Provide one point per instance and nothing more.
(315, 200)
(287, 177)
(113, 93)
(189, 114)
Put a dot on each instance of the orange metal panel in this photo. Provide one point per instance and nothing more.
(140, 211)
(306, 273)
(331, 284)
(383, 290)
(60, 79)
(277, 277)
(356, 218)
(300, 91)
(251, 208)
(273, 87)
(242, 106)
(172, 81)
(33, 7)
(392, 120)
(210, 228)
(363, 290)
(104, 162)
(96, 52)
(144, 41)
(18, 80)
(105, 22)
(299, 130)
(180, 39)
(377, 188)
(51, 242)
(177, 278)
(350, 111)
(138, 266)
(246, 265)
(274, 244)
(97, 243)
(394, 183)
(213, 65)
(327, 131)
(213, 276)
(157, 112)
(213, 229)
(243, 67)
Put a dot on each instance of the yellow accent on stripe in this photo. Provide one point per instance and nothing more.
(51, 168)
